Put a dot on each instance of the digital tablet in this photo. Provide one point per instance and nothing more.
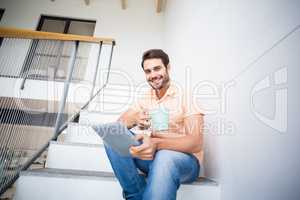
(117, 136)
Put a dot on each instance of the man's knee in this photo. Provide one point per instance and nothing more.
(169, 157)
(166, 162)
(165, 174)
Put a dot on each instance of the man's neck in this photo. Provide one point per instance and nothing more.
(161, 92)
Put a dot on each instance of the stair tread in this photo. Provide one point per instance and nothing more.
(99, 112)
(76, 144)
(70, 173)
(67, 173)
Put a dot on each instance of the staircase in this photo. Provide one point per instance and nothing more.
(77, 168)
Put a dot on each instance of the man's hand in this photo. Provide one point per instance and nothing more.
(146, 150)
(143, 120)
(133, 118)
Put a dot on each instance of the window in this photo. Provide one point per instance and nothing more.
(49, 59)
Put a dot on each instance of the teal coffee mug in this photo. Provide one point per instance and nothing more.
(159, 119)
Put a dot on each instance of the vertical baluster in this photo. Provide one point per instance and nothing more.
(96, 70)
(66, 89)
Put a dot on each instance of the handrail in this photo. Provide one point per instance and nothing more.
(29, 34)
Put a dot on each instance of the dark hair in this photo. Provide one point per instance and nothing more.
(155, 53)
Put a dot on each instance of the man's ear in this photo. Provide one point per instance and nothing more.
(168, 67)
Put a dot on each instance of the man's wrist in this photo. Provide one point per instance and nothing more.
(157, 142)
(126, 123)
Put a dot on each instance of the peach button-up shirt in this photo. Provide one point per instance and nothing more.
(179, 105)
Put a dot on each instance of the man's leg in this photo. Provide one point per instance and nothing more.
(131, 181)
(167, 171)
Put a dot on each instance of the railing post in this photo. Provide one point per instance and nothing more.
(110, 59)
(66, 89)
(28, 62)
(97, 67)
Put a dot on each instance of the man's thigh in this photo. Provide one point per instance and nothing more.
(183, 165)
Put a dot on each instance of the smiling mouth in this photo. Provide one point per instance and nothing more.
(156, 80)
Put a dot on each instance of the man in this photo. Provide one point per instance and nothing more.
(167, 158)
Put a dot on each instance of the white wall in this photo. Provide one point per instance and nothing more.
(252, 137)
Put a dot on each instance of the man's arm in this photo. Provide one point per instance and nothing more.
(133, 118)
(191, 142)
(128, 118)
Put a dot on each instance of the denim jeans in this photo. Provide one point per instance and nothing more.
(164, 174)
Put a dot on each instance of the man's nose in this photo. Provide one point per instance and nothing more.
(153, 74)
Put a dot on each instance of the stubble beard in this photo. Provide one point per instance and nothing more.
(165, 81)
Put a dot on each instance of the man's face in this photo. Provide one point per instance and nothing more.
(156, 72)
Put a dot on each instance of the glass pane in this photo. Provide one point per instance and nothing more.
(52, 25)
(82, 28)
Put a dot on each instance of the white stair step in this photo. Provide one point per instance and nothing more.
(115, 98)
(125, 90)
(92, 117)
(109, 107)
(56, 184)
(77, 133)
(121, 98)
(78, 156)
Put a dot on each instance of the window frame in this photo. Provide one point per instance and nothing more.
(68, 21)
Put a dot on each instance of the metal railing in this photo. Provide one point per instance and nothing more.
(44, 83)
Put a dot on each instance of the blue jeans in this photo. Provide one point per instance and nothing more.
(164, 174)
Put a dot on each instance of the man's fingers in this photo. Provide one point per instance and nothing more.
(133, 152)
(144, 123)
(145, 117)
(146, 157)
(140, 148)
(144, 146)
(138, 137)
(141, 155)
(145, 151)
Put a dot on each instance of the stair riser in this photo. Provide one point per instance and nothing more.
(61, 188)
(56, 188)
(88, 118)
(66, 156)
(82, 134)
(109, 108)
